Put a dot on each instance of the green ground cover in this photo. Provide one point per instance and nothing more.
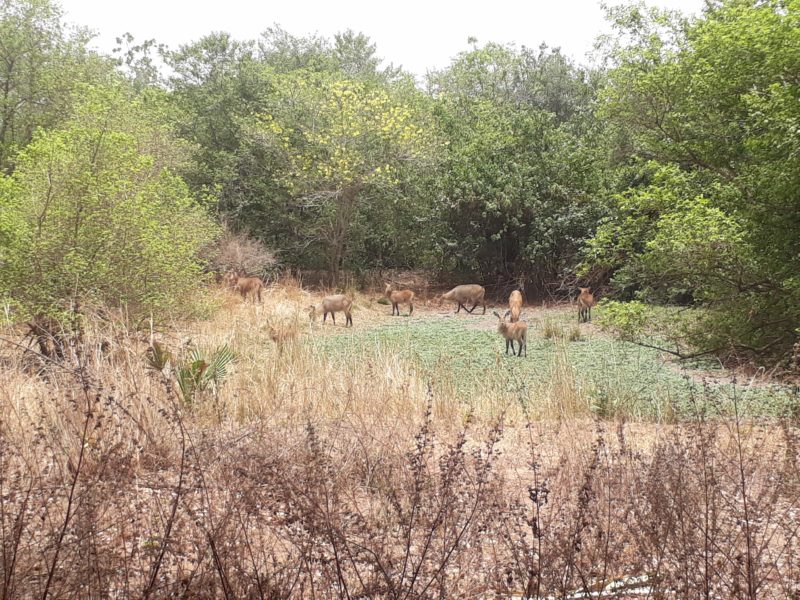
(465, 356)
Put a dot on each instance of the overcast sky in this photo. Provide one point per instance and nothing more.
(417, 34)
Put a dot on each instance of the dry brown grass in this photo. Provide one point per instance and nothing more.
(308, 476)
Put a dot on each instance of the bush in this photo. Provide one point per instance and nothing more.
(95, 214)
(574, 334)
(628, 319)
(241, 254)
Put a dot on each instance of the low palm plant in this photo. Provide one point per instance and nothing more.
(198, 373)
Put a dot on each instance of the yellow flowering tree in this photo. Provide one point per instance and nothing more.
(344, 142)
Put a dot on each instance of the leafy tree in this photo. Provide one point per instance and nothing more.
(213, 82)
(41, 63)
(285, 52)
(623, 239)
(140, 63)
(224, 88)
(344, 143)
(356, 58)
(715, 98)
(523, 174)
(94, 214)
(350, 54)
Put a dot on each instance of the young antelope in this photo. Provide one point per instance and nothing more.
(513, 332)
(585, 303)
(398, 297)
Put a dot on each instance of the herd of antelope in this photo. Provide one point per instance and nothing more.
(513, 330)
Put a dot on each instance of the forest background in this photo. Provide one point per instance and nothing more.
(667, 173)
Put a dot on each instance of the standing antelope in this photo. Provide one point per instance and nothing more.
(398, 297)
(245, 286)
(515, 305)
(585, 303)
(332, 304)
(513, 332)
(461, 294)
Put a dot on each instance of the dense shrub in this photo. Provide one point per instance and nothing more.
(94, 213)
(711, 103)
(101, 503)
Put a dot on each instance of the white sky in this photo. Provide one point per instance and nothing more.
(417, 34)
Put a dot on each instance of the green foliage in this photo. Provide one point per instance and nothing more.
(338, 133)
(197, 373)
(627, 319)
(335, 162)
(698, 247)
(201, 373)
(606, 375)
(714, 219)
(158, 357)
(552, 330)
(343, 143)
(665, 241)
(94, 213)
(139, 62)
(238, 100)
(42, 63)
(523, 176)
(349, 54)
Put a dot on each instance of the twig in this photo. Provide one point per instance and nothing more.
(172, 517)
(73, 486)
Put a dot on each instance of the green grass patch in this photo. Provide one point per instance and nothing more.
(570, 371)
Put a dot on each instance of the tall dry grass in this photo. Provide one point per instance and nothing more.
(303, 476)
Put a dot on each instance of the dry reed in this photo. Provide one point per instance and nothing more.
(313, 477)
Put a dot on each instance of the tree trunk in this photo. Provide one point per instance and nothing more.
(346, 204)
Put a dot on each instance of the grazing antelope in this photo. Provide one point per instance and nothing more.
(585, 303)
(515, 305)
(462, 294)
(245, 286)
(332, 304)
(398, 297)
(513, 332)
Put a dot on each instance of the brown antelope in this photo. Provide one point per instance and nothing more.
(585, 303)
(245, 286)
(332, 304)
(513, 332)
(462, 294)
(398, 297)
(515, 305)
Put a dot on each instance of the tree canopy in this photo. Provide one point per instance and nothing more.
(709, 109)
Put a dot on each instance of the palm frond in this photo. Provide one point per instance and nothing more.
(157, 357)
